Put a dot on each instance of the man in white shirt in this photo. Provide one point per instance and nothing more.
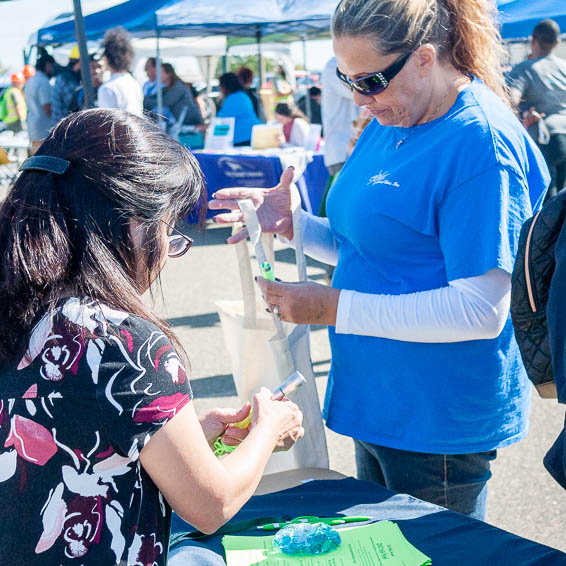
(150, 86)
(338, 115)
(37, 93)
(122, 90)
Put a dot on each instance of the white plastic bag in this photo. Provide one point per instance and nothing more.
(265, 351)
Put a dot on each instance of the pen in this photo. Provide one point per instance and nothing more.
(332, 521)
(267, 271)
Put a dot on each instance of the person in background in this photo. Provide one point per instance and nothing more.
(294, 122)
(538, 87)
(423, 226)
(65, 85)
(121, 91)
(13, 107)
(246, 76)
(29, 71)
(360, 124)
(201, 101)
(315, 95)
(338, 115)
(78, 99)
(37, 94)
(150, 86)
(281, 85)
(100, 439)
(176, 96)
(237, 104)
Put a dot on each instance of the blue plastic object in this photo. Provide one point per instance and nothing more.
(306, 538)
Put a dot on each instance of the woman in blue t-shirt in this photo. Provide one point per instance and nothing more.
(423, 223)
(237, 104)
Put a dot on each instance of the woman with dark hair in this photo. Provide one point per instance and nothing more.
(176, 96)
(423, 224)
(295, 124)
(99, 438)
(237, 104)
(122, 91)
(246, 76)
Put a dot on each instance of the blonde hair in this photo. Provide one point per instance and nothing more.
(464, 32)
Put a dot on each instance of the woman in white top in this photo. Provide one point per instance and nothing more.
(295, 124)
(122, 91)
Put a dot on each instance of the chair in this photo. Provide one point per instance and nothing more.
(176, 127)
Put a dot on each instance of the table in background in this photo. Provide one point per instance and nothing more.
(17, 150)
(448, 538)
(262, 169)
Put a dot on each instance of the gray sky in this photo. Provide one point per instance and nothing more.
(20, 18)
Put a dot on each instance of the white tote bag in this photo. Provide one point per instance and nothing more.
(265, 351)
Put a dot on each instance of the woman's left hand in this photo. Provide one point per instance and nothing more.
(217, 422)
(302, 303)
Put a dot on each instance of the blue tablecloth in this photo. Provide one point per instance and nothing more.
(262, 171)
(448, 538)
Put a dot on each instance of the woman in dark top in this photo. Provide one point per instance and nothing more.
(246, 76)
(98, 435)
(176, 96)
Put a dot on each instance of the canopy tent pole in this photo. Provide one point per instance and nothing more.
(259, 60)
(83, 53)
(158, 77)
(308, 106)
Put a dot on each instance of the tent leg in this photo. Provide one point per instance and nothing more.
(259, 59)
(158, 79)
(307, 95)
(83, 51)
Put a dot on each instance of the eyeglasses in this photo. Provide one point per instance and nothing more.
(179, 244)
(374, 83)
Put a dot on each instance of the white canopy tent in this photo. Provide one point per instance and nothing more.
(195, 58)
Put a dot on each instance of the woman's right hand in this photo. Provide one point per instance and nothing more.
(273, 207)
(283, 418)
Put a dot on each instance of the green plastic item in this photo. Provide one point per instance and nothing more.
(267, 271)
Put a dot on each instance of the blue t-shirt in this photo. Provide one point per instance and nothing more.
(238, 105)
(412, 209)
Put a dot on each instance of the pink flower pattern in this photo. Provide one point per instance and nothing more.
(74, 415)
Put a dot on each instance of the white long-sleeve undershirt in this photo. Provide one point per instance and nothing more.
(474, 308)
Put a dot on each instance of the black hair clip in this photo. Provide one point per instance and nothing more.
(45, 163)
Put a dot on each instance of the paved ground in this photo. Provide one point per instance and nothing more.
(523, 498)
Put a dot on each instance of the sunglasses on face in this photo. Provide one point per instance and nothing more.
(179, 244)
(374, 83)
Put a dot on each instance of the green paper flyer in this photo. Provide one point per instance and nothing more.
(379, 544)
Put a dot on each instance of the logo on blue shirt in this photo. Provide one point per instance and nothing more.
(382, 179)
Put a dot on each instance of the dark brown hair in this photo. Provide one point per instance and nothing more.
(230, 82)
(69, 235)
(245, 74)
(290, 111)
(547, 34)
(168, 69)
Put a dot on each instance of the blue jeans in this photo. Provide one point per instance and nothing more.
(455, 481)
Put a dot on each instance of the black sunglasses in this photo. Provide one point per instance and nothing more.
(179, 244)
(374, 83)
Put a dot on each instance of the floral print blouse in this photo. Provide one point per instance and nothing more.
(93, 387)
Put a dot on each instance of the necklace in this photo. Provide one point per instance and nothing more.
(433, 115)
